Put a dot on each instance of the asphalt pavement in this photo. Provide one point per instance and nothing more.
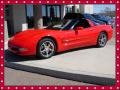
(18, 77)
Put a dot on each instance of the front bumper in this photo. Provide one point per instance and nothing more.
(19, 50)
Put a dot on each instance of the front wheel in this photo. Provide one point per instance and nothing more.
(46, 48)
(102, 39)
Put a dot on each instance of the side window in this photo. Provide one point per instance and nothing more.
(90, 23)
(70, 25)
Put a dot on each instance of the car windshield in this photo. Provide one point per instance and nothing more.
(66, 24)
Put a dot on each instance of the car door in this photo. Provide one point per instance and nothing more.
(68, 39)
(86, 36)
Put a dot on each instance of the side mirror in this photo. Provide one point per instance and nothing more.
(78, 28)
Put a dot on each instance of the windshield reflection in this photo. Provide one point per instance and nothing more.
(65, 24)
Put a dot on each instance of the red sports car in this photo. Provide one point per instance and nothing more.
(72, 33)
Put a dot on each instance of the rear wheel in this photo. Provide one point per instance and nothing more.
(46, 48)
(102, 39)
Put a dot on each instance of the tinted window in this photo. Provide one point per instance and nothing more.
(82, 23)
(71, 24)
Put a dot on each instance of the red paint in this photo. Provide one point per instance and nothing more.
(66, 39)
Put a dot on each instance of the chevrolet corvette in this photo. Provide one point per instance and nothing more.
(70, 34)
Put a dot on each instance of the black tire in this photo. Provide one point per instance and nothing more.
(102, 39)
(42, 47)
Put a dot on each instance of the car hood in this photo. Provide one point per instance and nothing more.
(27, 34)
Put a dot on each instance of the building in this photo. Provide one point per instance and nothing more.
(21, 17)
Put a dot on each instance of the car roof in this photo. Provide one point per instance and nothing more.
(80, 16)
(73, 16)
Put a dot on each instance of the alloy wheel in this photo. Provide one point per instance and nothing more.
(102, 39)
(47, 49)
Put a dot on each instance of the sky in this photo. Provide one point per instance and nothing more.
(99, 7)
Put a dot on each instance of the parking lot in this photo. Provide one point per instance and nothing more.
(89, 65)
